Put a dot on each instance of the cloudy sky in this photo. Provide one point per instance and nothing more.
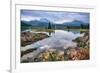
(57, 17)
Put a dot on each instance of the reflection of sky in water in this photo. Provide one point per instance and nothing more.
(61, 39)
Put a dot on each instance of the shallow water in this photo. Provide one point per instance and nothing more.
(59, 40)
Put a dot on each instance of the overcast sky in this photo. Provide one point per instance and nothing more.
(57, 17)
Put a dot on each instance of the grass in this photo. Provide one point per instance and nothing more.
(43, 30)
(52, 30)
(78, 29)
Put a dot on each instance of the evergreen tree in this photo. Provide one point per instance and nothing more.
(49, 27)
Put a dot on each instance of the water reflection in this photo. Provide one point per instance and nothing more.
(58, 40)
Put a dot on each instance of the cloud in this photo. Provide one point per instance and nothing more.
(29, 18)
(54, 15)
(63, 21)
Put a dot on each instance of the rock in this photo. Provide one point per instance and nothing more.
(83, 41)
(28, 37)
(32, 56)
(81, 52)
(52, 55)
(77, 54)
(27, 51)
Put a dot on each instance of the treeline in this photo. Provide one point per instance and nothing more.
(68, 26)
(82, 26)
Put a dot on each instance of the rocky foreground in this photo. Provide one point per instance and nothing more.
(81, 52)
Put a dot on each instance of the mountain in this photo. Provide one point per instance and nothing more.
(44, 20)
(43, 23)
(74, 23)
(25, 25)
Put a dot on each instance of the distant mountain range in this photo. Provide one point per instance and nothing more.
(74, 23)
(44, 23)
